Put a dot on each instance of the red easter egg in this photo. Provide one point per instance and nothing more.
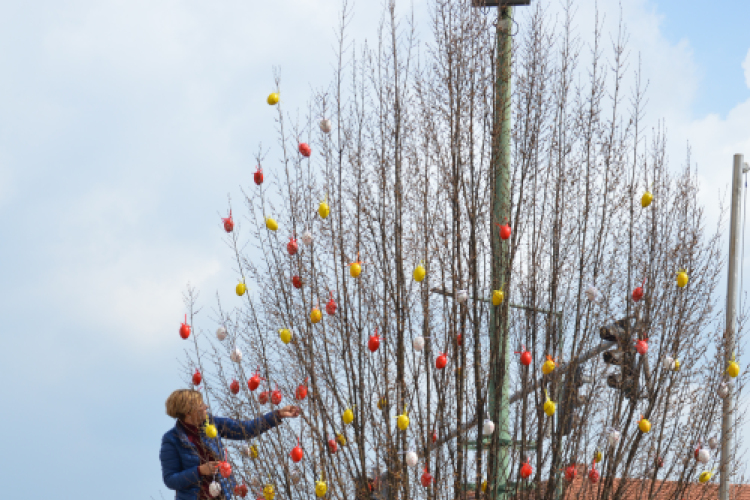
(254, 382)
(258, 176)
(296, 281)
(434, 437)
(276, 397)
(373, 343)
(570, 473)
(441, 361)
(332, 446)
(642, 347)
(426, 478)
(331, 306)
(301, 392)
(263, 397)
(304, 149)
(526, 470)
(234, 387)
(292, 247)
(593, 476)
(526, 358)
(228, 223)
(240, 490)
(225, 469)
(197, 377)
(185, 329)
(459, 339)
(297, 454)
(505, 232)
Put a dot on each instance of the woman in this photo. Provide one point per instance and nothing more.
(190, 459)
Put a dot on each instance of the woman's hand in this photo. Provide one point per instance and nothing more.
(209, 468)
(288, 412)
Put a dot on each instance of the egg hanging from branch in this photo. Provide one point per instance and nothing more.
(374, 343)
(285, 335)
(441, 361)
(682, 278)
(548, 366)
(549, 405)
(402, 421)
(526, 470)
(411, 458)
(341, 439)
(504, 230)
(240, 289)
(705, 476)
(301, 392)
(418, 343)
(297, 282)
(355, 268)
(646, 199)
(315, 315)
(197, 378)
(331, 306)
(733, 368)
(240, 490)
(263, 397)
(297, 453)
(641, 346)
(382, 403)
(292, 246)
(638, 292)
(713, 443)
(613, 436)
(723, 390)
(221, 333)
(668, 363)
(234, 387)
(426, 478)
(348, 416)
(320, 488)
(593, 474)
(271, 224)
(462, 296)
(307, 238)
(258, 176)
(305, 149)
(497, 297)
(419, 273)
(323, 209)
(644, 425)
(214, 489)
(598, 456)
(236, 355)
(488, 427)
(210, 429)
(525, 356)
(704, 455)
(254, 381)
(228, 223)
(276, 396)
(273, 98)
(592, 294)
(269, 492)
(326, 126)
(333, 447)
(185, 329)
(570, 473)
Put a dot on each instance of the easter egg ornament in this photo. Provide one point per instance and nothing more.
(704, 455)
(315, 315)
(276, 396)
(295, 475)
(705, 476)
(331, 306)
(273, 98)
(382, 403)
(304, 149)
(549, 405)
(197, 377)
(269, 492)
(297, 453)
(214, 489)
(240, 289)
(236, 355)
(613, 436)
(210, 429)
(225, 468)
(644, 425)
(646, 199)
(321, 488)
(419, 273)
(668, 363)
(713, 443)
(402, 421)
(374, 343)
(434, 437)
(488, 427)
(333, 447)
(326, 126)
(292, 246)
(285, 335)
(441, 361)
(682, 278)
(462, 296)
(307, 238)
(341, 439)
(723, 390)
(355, 268)
(234, 387)
(254, 381)
(548, 366)
(598, 456)
(185, 329)
(638, 292)
(592, 294)
(570, 473)
(221, 333)
(733, 368)
(228, 223)
(525, 356)
(497, 297)
(418, 343)
(504, 230)
(263, 397)
(593, 474)
(301, 392)
(426, 478)
(258, 176)
(323, 209)
(348, 416)
(240, 490)
(641, 346)
(297, 282)
(411, 459)
(526, 469)
(271, 224)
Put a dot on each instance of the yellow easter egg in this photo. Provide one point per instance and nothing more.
(323, 210)
(253, 452)
(355, 269)
(419, 273)
(403, 422)
(285, 335)
(316, 315)
(320, 488)
(646, 199)
(348, 416)
(240, 289)
(676, 365)
(644, 425)
(548, 366)
(341, 439)
(271, 224)
(549, 408)
(211, 431)
(497, 297)
(484, 486)
(597, 456)
(705, 477)
(268, 492)
(382, 403)
(733, 369)
(273, 98)
(682, 279)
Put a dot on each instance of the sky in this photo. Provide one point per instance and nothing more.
(124, 126)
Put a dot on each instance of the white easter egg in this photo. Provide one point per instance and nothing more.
(462, 296)
(307, 238)
(704, 456)
(713, 443)
(592, 293)
(411, 459)
(236, 355)
(326, 126)
(489, 427)
(418, 343)
(221, 333)
(214, 489)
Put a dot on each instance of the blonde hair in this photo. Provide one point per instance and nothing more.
(183, 401)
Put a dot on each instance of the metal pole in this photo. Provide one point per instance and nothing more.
(500, 178)
(727, 441)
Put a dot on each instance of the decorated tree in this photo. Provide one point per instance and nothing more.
(365, 295)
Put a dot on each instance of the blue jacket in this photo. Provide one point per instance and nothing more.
(180, 460)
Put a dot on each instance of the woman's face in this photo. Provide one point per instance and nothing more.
(198, 414)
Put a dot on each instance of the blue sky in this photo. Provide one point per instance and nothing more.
(124, 125)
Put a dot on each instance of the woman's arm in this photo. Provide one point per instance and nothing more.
(171, 469)
(247, 429)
